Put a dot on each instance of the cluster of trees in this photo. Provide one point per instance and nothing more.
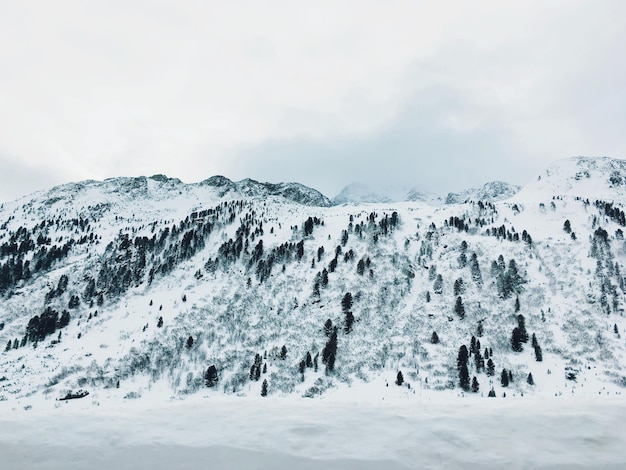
(41, 326)
(611, 211)
(508, 280)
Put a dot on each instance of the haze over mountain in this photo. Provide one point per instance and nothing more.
(134, 287)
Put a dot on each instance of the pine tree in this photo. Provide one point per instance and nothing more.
(399, 378)
(328, 327)
(504, 378)
(537, 348)
(459, 287)
(264, 388)
(189, 342)
(492, 393)
(464, 379)
(567, 226)
(360, 267)
(434, 339)
(210, 376)
(459, 309)
(475, 386)
(530, 379)
(330, 351)
(475, 270)
(491, 368)
(479, 361)
(309, 360)
(283, 352)
(516, 340)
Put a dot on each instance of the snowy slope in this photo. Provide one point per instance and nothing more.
(162, 280)
(588, 178)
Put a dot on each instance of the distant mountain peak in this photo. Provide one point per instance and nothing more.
(362, 193)
(587, 177)
(492, 192)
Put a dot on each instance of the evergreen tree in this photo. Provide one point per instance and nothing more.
(189, 342)
(516, 340)
(504, 378)
(492, 393)
(491, 368)
(475, 386)
(459, 287)
(517, 305)
(521, 323)
(537, 348)
(530, 379)
(309, 360)
(475, 270)
(349, 320)
(434, 339)
(567, 227)
(464, 379)
(459, 309)
(360, 267)
(328, 327)
(8, 346)
(479, 361)
(264, 388)
(346, 302)
(330, 351)
(283, 352)
(399, 378)
(160, 322)
(210, 376)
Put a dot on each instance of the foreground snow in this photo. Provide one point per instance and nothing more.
(286, 433)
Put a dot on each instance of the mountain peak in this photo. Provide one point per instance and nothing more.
(586, 177)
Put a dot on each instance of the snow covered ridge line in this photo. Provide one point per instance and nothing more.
(145, 287)
(160, 187)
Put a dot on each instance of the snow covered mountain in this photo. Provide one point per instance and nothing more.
(492, 192)
(591, 178)
(359, 193)
(136, 287)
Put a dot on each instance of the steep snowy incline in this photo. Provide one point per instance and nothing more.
(145, 287)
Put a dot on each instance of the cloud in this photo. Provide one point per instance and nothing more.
(195, 88)
(20, 179)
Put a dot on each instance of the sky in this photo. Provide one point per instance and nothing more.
(437, 95)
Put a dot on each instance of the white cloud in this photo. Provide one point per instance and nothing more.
(98, 89)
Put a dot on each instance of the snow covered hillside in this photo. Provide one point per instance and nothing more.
(148, 287)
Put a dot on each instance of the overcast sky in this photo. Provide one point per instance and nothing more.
(440, 95)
